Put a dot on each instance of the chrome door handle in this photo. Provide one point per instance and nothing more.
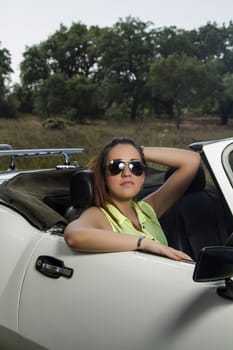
(53, 267)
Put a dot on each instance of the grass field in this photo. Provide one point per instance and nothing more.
(29, 132)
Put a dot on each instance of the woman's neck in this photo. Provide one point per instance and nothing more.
(126, 208)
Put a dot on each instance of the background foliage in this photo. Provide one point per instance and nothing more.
(127, 71)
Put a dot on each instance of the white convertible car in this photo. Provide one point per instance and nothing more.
(52, 297)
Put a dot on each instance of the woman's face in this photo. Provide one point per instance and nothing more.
(125, 185)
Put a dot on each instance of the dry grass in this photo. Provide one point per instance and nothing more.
(28, 132)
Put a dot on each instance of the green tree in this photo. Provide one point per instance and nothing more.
(47, 68)
(226, 99)
(126, 52)
(23, 97)
(72, 51)
(181, 81)
(6, 105)
(34, 67)
(51, 98)
(210, 86)
(210, 42)
(227, 56)
(172, 40)
(34, 70)
(82, 100)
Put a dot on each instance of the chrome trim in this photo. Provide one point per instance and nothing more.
(15, 153)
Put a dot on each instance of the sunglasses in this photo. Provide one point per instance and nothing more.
(116, 166)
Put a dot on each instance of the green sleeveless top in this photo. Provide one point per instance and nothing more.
(150, 226)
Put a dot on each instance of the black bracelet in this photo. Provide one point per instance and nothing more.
(139, 243)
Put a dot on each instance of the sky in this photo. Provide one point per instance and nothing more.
(27, 22)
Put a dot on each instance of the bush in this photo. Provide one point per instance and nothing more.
(55, 123)
(117, 112)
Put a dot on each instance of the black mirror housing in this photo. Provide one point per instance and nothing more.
(214, 264)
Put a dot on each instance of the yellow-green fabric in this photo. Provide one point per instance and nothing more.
(150, 226)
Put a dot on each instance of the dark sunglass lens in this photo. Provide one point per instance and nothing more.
(136, 168)
(116, 166)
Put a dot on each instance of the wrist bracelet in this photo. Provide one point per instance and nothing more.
(139, 243)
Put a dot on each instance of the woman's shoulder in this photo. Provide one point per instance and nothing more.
(93, 209)
(92, 212)
(95, 216)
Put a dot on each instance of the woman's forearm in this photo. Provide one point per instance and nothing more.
(172, 157)
(98, 240)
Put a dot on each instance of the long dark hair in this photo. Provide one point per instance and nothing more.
(98, 165)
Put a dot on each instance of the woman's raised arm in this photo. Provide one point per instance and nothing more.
(186, 164)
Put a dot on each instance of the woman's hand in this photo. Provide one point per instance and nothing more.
(160, 249)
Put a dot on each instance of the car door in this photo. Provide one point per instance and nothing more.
(127, 300)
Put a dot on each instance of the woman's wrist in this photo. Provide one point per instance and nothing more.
(139, 243)
(144, 244)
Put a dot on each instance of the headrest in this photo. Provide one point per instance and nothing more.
(198, 183)
(82, 189)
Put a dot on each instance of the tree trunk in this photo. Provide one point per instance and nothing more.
(224, 120)
(133, 112)
(177, 113)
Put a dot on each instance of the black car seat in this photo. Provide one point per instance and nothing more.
(81, 193)
(196, 220)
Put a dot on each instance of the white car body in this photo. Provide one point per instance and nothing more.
(111, 301)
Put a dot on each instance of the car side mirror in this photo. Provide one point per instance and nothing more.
(214, 264)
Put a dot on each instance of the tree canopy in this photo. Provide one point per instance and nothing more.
(125, 71)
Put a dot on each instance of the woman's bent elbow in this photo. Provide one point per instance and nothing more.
(69, 238)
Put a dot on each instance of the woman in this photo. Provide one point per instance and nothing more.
(117, 222)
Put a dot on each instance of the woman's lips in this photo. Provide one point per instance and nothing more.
(127, 183)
